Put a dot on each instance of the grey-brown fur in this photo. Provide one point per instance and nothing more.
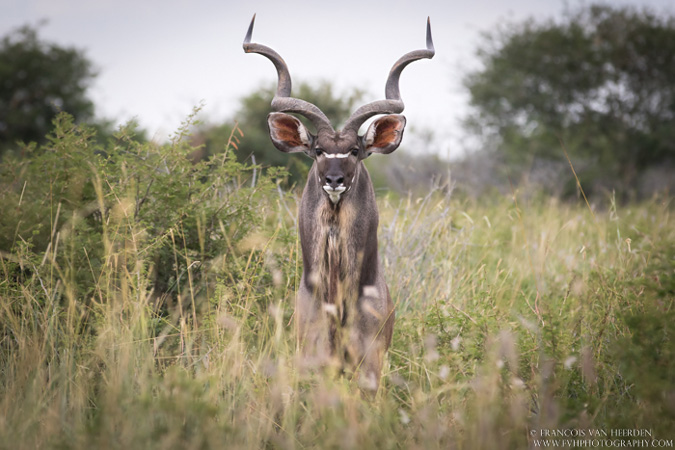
(344, 312)
(367, 321)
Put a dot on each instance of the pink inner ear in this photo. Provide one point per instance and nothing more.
(387, 132)
(286, 130)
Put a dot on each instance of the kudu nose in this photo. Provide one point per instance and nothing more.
(334, 180)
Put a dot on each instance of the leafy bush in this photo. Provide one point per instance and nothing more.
(39, 79)
(598, 80)
(181, 221)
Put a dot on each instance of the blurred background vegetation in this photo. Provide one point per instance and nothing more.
(592, 88)
(146, 288)
(39, 79)
(598, 82)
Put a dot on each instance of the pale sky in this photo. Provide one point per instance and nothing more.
(159, 58)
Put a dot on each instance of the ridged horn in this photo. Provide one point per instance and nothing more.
(393, 103)
(282, 101)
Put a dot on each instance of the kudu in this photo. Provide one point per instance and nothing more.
(344, 311)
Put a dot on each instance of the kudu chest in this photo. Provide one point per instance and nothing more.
(339, 244)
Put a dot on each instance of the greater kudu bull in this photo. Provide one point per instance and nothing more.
(343, 309)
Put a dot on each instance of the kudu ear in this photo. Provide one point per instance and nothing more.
(289, 134)
(384, 135)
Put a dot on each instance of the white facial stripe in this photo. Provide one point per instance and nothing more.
(336, 155)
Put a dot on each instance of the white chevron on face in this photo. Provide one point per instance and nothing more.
(336, 155)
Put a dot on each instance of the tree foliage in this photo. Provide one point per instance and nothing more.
(252, 119)
(600, 80)
(38, 80)
(124, 195)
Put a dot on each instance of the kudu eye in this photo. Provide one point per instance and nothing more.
(355, 151)
(318, 151)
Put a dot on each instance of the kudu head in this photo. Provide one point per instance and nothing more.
(337, 153)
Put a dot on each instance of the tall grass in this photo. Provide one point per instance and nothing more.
(514, 315)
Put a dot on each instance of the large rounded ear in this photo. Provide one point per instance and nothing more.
(288, 134)
(384, 135)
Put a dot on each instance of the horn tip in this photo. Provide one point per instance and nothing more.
(249, 33)
(430, 41)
